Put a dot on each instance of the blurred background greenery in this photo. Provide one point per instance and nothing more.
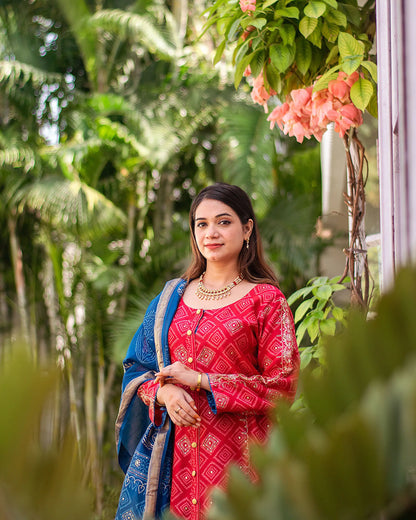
(112, 119)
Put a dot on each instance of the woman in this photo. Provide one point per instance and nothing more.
(216, 350)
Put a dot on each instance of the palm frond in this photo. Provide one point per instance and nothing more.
(135, 27)
(108, 103)
(247, 152)
(123, 330)
(288, 231)
(18, 157)
(72, 205)
(117, 132)
(15, 75)
(165, 129)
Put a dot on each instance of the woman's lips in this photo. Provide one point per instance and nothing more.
(213, 246)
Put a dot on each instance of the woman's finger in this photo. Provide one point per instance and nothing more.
(187, 419)
(185, 414)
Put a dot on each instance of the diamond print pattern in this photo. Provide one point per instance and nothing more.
(248, 349)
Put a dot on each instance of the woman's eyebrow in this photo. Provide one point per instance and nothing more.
(217, 216)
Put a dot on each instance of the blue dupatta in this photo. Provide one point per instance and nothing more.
(145, 451)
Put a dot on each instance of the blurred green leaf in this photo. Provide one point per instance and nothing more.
(40, 478)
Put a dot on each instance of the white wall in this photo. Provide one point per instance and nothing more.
(396, 44)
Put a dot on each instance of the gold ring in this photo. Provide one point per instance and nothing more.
(177, 410)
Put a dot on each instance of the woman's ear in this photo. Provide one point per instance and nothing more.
(248, 228)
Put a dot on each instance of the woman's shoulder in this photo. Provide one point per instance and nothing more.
(269, 303)
(268, 292)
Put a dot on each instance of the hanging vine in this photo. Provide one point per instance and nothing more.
(357, 263)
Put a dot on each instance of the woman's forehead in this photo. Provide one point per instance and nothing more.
(209, 208)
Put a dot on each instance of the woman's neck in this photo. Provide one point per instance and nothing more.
(220, 275)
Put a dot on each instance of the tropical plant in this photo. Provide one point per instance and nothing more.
(314, 58)
(112, 119)
(291, 43)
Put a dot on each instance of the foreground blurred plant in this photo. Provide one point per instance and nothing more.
(38, 479)
(351, 453)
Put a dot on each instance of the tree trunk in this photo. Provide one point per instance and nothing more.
(93, 465)
(19, 278)
(131, 241)
(180, 13)
(162, 222)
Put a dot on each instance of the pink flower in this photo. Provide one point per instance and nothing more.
(247, 71)
(276, 116)
(300, 131)
(319, 133)
(259, 94)
(248, 5)
(340, 89)
(301, 104)
(345, 117)
(352, 78)
(301, 97)
(322, 102)
(306, 113)
(247, 32)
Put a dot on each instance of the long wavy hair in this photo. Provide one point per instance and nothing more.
(252, 264)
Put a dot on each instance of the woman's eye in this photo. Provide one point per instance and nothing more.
(200, 224)
(225, 222)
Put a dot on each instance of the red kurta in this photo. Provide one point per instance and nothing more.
(249, 351)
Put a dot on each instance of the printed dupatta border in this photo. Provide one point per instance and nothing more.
(162, 437)
(154, 444)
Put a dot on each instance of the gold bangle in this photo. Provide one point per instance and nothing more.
(198, 382)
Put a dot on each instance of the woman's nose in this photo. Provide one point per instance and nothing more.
(212, 230)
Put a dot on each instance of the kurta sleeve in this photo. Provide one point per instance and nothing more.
(275, 372)
(148, 394)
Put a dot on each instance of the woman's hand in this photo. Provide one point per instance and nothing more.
(179, 404)
(178, 374)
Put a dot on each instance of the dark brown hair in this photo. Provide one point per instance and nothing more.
(252, 263)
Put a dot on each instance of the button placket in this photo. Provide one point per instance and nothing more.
(194, 433)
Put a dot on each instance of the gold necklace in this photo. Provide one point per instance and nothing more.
(215, 294)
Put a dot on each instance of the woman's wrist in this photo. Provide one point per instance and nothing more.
(159, 397)
(201, 382)
(198, 382)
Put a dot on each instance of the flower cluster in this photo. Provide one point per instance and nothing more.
(248, 5)
(306, 113)
(259, 94)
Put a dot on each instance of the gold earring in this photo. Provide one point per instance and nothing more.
(247, 242)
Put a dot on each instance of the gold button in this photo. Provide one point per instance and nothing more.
(190, 359)
(193, 473)
(194, 445)
(189, 332)
(198, 311)
(194, 501)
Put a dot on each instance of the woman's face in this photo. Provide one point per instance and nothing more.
(219, 232)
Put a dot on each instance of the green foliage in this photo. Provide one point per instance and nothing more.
(38, 480)
(134, 26)
(317, 315)
(351, 454)
(247, 153)
(73, 205)
(293, 43)
(113, 119)
(288, 226)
